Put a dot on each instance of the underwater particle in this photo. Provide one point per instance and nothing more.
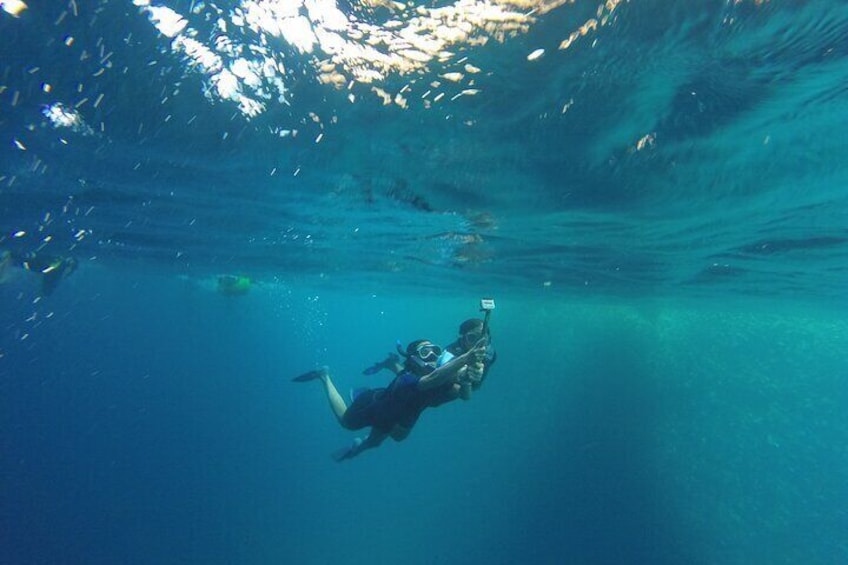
(453, 77)
(19, 233)
(537, 54)
(13, 7)
(648, 140)
(383, 95)
(167, 21)
(61, 116)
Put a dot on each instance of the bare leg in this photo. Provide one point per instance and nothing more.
(337, 403)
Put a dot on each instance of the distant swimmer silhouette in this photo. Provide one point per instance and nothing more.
(234, 285)
(50, 269)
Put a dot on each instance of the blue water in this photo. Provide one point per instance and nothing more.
(657, 202)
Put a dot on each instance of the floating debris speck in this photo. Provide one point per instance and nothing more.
(61, 116)
(537, 54)
(13, 7)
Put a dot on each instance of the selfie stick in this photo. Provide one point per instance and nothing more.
(486, 305)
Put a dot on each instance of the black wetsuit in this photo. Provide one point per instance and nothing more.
(400, 403)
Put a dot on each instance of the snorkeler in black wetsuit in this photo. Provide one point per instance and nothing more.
(393, 411)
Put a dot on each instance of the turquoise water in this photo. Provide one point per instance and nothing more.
(656, 201)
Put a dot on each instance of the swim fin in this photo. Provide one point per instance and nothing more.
(347, 452)
(388, 363)
(340, 455)
(311, 375)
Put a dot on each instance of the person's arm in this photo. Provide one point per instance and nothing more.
(449, 372)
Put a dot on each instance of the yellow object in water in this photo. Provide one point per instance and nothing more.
(232, 285)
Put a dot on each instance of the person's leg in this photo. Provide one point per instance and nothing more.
(400, 433)
(374, 439)
(404, 426)
(337, 403)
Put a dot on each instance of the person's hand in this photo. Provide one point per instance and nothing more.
(474, 373)
(478, 354)
(461, 374)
